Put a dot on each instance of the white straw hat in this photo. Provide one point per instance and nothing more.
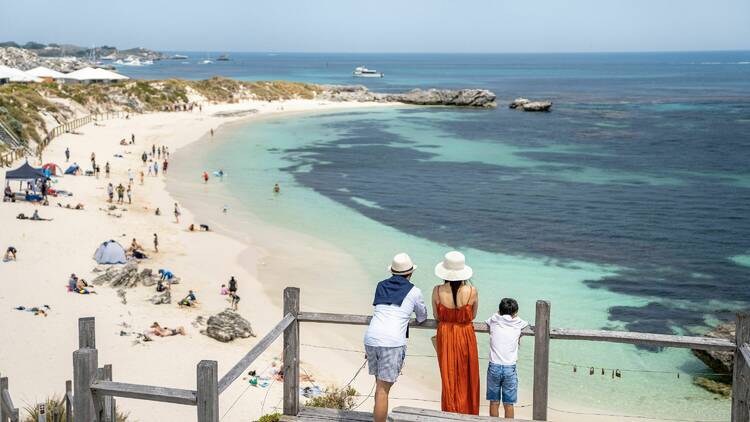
(453, 267)
(402, 265)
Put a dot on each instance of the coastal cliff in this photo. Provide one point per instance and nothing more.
(30, 110)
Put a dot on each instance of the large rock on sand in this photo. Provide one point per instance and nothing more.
(227, 326)
(162, 298)
(128, 276)
(720, 361)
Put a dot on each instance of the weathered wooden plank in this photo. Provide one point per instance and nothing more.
(84, 375)
(741, 372)
(347, 319)
(254, 353)
(4, 408)
(291, 353)
(86, 333)
(414, 414)
(745, 350)
(69, 401)
(207, 395)
(662, 340)
(541, 360)
(646, 339)
(320, 414)
(144, 392)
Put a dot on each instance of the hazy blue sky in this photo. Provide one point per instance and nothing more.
(384, 25)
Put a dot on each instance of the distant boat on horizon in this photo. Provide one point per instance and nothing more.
(222, 58)
(363, 72)
(179, 57)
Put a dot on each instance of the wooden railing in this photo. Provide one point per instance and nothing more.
(94, 391)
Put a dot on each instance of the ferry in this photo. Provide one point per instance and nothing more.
(363, 72)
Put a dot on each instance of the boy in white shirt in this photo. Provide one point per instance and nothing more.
(502, 377)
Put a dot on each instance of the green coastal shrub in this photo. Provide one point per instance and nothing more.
(335, 398)
(56, 405)
(273, 417)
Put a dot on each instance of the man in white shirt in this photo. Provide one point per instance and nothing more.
(396, 298)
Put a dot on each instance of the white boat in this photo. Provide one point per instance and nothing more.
(206, 61)
(363, 72)
(134, 61)
(179, 57)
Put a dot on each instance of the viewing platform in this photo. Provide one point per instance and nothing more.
(90, 396)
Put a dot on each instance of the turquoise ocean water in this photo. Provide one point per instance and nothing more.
(626, 206)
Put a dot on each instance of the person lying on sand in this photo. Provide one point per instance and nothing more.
(189, 300)
(34, 217)
(78, 206)
(36, 310)
(202, 227)
(160, 331)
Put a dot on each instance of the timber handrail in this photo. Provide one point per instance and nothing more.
(254, 353)
(8, 412)
(628, 337)
(144, 392)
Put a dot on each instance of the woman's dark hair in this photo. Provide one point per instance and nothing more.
(508, 306)
(455, 285)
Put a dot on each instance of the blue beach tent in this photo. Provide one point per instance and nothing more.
(72, 169)
(110, 252)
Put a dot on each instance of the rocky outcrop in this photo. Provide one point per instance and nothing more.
(537, 106)
(227, 326)
(128, 277)
(444, 97)
(720, 361)
(162, 298)
(527, 105)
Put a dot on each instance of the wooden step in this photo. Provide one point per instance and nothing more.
(320, 414)
(414, 414)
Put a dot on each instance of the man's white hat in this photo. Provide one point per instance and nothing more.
(453, 267)
(402, 265)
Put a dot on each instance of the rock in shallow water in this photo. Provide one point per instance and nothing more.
(720, 361)
(445, 97)
(227, 326)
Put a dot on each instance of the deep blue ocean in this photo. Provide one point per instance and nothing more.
(644, 164)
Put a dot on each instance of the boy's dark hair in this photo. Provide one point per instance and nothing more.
(508, 306)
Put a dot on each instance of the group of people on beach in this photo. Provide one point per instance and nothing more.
(454, 306)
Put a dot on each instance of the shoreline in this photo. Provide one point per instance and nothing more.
(153, 363)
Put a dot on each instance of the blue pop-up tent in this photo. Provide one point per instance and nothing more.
(110, 252)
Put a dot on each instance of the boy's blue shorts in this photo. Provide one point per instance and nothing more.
(502, 383)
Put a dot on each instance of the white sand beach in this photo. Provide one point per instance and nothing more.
(39, 359)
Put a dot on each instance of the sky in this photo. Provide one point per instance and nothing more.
(469, 26)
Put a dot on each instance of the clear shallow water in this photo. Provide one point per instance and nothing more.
(627, 206)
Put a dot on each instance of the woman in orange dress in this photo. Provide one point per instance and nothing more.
(454, 305)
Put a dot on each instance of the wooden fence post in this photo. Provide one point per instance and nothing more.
(541, 360)
(68, 403)
(86, 333)
(104, 405)
(208, 391)
(84, 374)
(291, 353)
(741, 372)
(4, 417)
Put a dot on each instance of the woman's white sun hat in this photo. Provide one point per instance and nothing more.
(453, 267)
(402, 265)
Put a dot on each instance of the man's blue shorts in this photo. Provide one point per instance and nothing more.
(502, 383)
